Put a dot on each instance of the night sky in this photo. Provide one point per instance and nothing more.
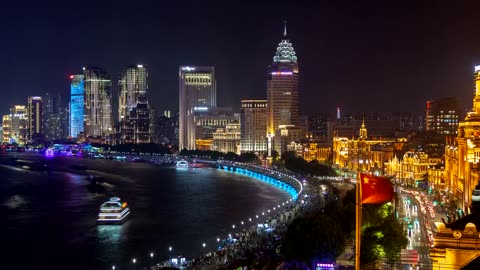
(380, 56)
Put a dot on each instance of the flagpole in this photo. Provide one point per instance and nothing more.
(358, 220)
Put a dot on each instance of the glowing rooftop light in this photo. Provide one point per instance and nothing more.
(139, 66)
(188, 68)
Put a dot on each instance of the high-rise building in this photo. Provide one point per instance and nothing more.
(282, 87)
(77, 105)
(197, 93)
(253, 120)
(443, 116)
(56, 117)
(7, 126)
(18, 125)
(98, 106)
(133, 109)
(35, 119)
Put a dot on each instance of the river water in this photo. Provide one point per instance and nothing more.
(48, 217)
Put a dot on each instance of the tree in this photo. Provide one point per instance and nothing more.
(313, 238)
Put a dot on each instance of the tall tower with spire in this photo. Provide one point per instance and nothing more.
(282, 86)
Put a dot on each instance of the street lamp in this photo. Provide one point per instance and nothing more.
(113, 267)
(204, 245)
(134, 265)
(151, 258)
(233, 226)
(170, 250)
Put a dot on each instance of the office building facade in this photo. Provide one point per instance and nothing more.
(77, 104)
(443, 115)
(197, 93)
(253, 120)
(35, 119)
(134, 111)
(98, 109)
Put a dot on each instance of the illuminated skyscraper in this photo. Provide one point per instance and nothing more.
(35, 119)
(18, 122)
(282, 87)
(56, 116)
(77, 105)
(7, 127)
(98, 109)
(133, 111)
(253, 120)
(197, 92)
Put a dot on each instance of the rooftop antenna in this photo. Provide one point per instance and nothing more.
(285, 29)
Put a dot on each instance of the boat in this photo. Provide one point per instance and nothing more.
(113, 211)
(182, 164)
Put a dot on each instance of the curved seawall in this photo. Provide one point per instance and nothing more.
(281, 184)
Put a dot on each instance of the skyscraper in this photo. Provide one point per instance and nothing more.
(133, 109)
(253, 115)
(282, 87)
(77, 105)
(56, 118)
(35, 119)
(98, 109)
(197, 92)
(18, 125)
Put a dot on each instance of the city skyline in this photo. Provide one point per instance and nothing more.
(387, 52)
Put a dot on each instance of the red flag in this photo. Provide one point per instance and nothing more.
(375, 189)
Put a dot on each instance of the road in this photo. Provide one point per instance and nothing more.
(416, 212)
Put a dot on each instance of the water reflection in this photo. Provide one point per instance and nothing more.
(110, 233)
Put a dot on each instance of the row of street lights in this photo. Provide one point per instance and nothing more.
(134, 260)
(204, 245)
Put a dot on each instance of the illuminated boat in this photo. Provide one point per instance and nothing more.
(113, 211)
(182, 164)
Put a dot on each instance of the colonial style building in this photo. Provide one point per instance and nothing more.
(362, 154)
(463, 154)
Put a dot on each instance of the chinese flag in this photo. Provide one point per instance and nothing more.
(375, 189)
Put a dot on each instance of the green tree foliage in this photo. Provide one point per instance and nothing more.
(382, 235)
(300, 165)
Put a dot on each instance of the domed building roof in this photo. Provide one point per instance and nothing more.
(285, 52)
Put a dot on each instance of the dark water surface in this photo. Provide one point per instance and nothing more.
(48, 218)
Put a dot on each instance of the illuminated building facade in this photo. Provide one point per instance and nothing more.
(227, 139)
(285, 135)
(77, 105)
(98, 106)
(413, 167)
(362, 154)
(197, 93)
(282, 88)
(316, 151)
(133, 110)
(463, 155)
(7, 126)
(35, 119)
(18, 122)
(442, 116)
(253, 120)
(56, 117)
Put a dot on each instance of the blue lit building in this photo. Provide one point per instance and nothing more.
(76, 105)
